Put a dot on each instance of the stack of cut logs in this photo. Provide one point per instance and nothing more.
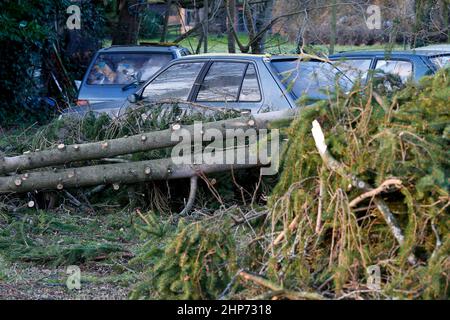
(55, 169)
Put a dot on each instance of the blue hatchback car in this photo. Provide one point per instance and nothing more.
(116, 72)
(408, 65)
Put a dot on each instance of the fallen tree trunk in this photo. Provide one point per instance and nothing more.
(115, 174)
(63, 154)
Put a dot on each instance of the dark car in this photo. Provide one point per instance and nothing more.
(256, 83)
(407, 65)
(115, 72)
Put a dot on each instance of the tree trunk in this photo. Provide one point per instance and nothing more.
(126, 29)
(248, 15)
(333, 26)
(206, 26)
(262, 20)
(166, 21)
(134, 144)
(231, 7)
(121, 173)
(445, 9)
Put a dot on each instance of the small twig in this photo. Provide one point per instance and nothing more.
(397, 183)
(95, 190)
(379, 100)
(115, 160)
(72, 199)
(292, 226)
(143, 217)
(192, 195)
(250, 217)
(294, 295)
(438, 239)
(319, 206)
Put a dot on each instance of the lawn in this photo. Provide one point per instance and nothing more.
(274, 45)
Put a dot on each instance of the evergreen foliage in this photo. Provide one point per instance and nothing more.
(190, 261)
(46, 238)
(407, 138)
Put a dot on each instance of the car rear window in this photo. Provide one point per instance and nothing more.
(125, 68)
(315, 79)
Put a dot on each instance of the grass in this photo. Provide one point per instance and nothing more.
(275, 44)
(36, 247)
(61, 238)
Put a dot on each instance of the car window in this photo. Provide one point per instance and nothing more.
(354, 69)
(175, 83)
(250, 91)
(314, 79)
(222, 82)
(403, 69)
(125, 68)
(441, 62)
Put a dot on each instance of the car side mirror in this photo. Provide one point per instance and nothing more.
(133, 98)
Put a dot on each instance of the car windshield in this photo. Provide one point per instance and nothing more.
(126, 68)
(315, 79)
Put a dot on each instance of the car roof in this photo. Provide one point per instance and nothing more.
(427, 53)
(433, 47)
(154, 48)
(240, 56)
(222, 56)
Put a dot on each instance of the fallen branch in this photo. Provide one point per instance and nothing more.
(192, 195)
(372, 193)
(294, 295)
(340, 169)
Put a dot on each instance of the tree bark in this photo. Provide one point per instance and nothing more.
(121, 173)
(262, 20)
(231, 18)
(126, 29)
(205, 26)
(248, 16)
(166, 21)
(133, 144)
(333, 26)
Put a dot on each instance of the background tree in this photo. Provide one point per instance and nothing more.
(126, 29)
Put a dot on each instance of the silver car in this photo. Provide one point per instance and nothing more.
(255, 83)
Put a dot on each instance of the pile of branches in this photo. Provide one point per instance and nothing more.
(360, 211)
(361, 208)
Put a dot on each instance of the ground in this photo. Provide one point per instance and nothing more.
(101, 245)
(31, 282)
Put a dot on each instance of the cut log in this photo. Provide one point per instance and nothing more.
(113, 174)
(138, 143)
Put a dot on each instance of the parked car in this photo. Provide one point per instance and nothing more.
(408, 65)
(256, 83)
(435, 47)
(115, 72)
